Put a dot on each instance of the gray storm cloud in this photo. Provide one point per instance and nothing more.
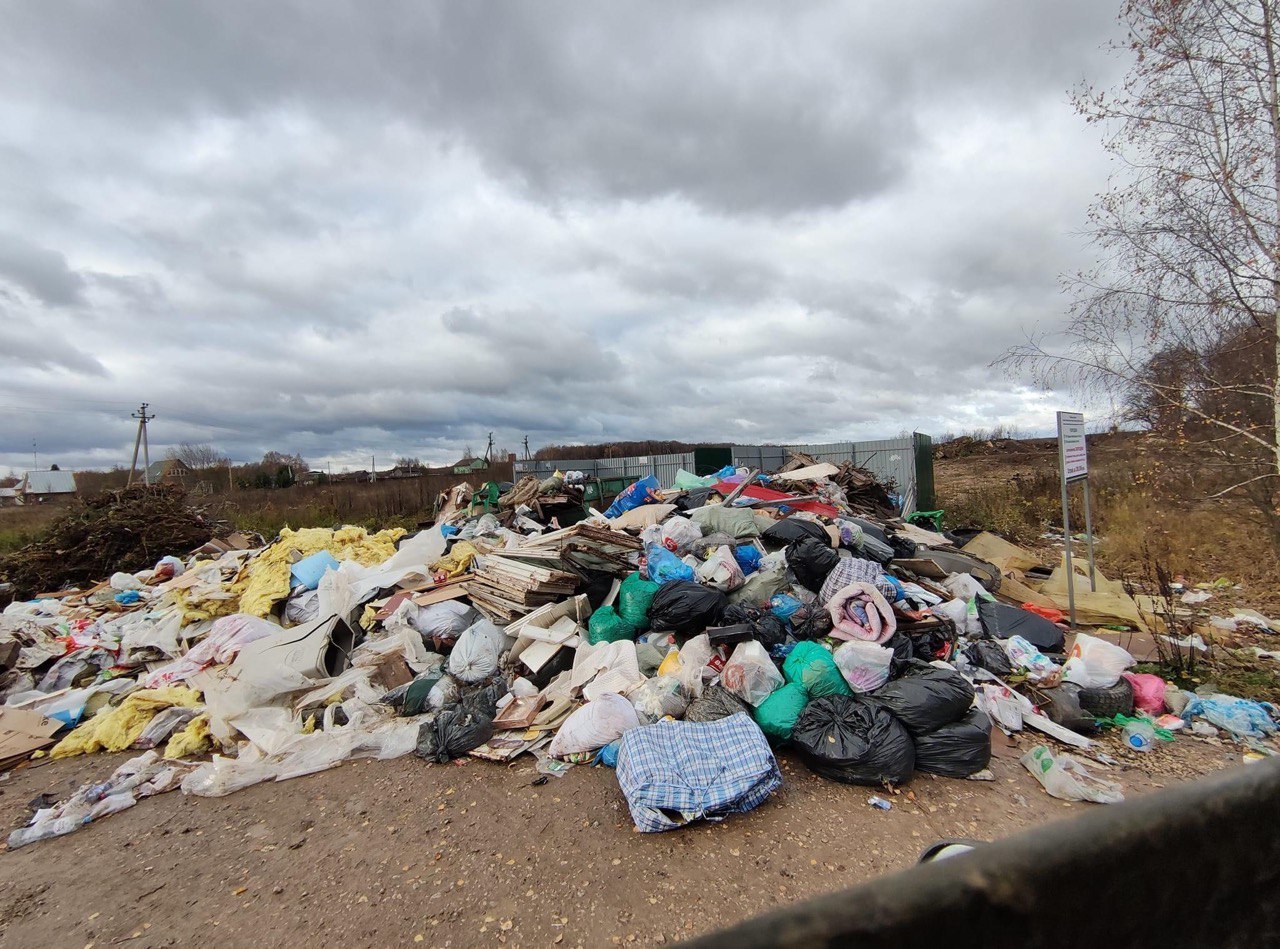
(343, 228)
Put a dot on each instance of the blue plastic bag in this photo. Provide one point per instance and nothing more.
(128, 597)
(784, 606)
(748, 557)
(1242, 717)
(608, 755)
(664, 566)
(643, 491)
(308, 571)
(886, 583)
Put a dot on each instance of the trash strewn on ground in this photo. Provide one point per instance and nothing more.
(681, 637)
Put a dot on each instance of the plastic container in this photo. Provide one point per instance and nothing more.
(1139, 736)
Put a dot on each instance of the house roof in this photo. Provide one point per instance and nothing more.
(158, 469)
(49, 482)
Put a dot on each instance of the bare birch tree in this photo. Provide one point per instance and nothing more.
(1178, 317)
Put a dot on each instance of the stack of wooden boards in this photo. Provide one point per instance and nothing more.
(508, 584)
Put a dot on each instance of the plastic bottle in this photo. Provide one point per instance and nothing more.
(1139, 736)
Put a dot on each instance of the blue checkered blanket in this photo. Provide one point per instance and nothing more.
(673, 773)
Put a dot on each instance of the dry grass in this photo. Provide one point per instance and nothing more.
(1145, 508)
(404, 503)
(20, 526)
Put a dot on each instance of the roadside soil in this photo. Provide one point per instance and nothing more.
(473, 853)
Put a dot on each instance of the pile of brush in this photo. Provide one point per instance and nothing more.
(127, 529)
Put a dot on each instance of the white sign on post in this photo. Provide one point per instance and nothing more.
(1075, 458)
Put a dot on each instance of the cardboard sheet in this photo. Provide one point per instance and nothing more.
(22, 732)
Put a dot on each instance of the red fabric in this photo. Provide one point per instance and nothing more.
(758, 492)
(1048, 612)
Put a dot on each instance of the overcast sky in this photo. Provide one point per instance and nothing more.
(355, 228)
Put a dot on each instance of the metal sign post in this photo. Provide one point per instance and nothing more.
(1073, 465)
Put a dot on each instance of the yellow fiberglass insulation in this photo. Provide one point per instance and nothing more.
(193, 611)
(266, 578)
(193, 740)
(457, 560)
(120, 727)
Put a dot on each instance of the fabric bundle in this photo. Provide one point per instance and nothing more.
(848, 570)
(673, 773)
(860, 611)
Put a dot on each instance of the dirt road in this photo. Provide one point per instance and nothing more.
(402, 852)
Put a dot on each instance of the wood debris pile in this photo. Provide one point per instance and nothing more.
(122, 530)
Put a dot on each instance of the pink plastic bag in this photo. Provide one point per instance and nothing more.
(1148, 692)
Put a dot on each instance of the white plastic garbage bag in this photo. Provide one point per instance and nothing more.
(1067, 779)
(865, 666)
(694, 656)
(682, 532)
(1095, 663)
(750, 674)
(446, 620)
(722, 571)
(600, 721)
(659, 697)
(477, 652)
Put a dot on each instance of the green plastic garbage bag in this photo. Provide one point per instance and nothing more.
(634, 597)
(606, 626)
(811, 667)
(687, 481)
(778, 714)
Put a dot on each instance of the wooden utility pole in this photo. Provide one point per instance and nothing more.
(141, 440)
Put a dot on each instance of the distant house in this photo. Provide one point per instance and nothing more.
(168, 469)
(40, 486)
(403, 471)
(468, 465)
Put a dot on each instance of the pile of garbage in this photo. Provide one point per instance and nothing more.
(682, 636)
(125, 529)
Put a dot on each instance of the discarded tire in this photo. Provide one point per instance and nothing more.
(1062, 705)
(1108, 701)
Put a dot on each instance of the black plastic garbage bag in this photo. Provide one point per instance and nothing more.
(956, 750)
(926, 697)
(792, 529)
(811, 621)
(454, 732)
(693, 499)
(597, 587)
(811, 560)
(903, 548)
(872, 549)
(685, 607)
(989, 655)
(766, 628)
(871, 529)
(847, 739)
(715, 703)
(461, 727)
(903, 653)
(484, 701)
(1002, 621)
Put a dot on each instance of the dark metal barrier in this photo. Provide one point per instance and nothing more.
(1197, 865)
